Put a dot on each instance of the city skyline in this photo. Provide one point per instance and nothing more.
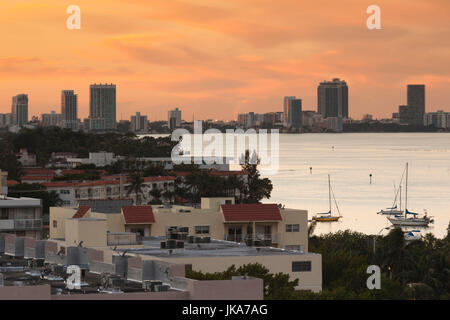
(216, 60)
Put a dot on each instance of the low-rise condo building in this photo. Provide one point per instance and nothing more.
(241, 233)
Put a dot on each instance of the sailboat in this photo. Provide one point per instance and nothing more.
(327, 216)
(393, 210)
(410, 218)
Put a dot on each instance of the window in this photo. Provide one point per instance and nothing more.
(55, 224)
(201, 229)
(292, 228)
(301, 266)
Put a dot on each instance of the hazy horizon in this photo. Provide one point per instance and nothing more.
(216, 59)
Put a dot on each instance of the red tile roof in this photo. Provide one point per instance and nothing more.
(251, 212)
(36, 178)
(66, 184)
(71, 171)
(163, 178)
(81, 212)
(40, 172)
(138, 214)
(12, 182)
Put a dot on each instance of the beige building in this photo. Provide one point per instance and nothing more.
(243, 233)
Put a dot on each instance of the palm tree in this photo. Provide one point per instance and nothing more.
(156, 194)
(136, 183)
(169, 195)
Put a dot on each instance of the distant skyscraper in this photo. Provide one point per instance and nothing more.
(69, 109)
(174, 118)
(19, 109)
(102, 113)
(6, 119)
(51, 119)
(332, 98)
(139, 122)
(416, 101)
(414, 111)
(292, 116)
(286, 104)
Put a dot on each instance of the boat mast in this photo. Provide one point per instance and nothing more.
(329, 192)
(400, 197)
(406, 191)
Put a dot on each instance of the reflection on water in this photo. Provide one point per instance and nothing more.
(354, 157)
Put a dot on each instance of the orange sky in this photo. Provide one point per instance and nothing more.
(217, 58)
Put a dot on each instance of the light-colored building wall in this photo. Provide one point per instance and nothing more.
(181, 216)
(57, 221)
(309, 280)
(89, 230)
(114, 221)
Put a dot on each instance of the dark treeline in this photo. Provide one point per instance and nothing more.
(418, 269)
(44, 141)
(377, 126)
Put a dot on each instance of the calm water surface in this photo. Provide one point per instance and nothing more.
(354, 157)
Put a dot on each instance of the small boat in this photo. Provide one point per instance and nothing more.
(327, 216)
(393, 210)
(410, 218)
(412, 235)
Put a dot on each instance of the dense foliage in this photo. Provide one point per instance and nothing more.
(37, 191)
(44, 141)
(418, 269)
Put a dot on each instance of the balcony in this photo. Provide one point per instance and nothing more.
(260, 239)
(20, 224)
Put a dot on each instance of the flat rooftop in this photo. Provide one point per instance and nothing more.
(216, 248)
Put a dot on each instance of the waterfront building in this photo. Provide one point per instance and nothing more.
(332, 98)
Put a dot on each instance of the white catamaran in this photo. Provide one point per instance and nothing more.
(410, 218)
(327, 216)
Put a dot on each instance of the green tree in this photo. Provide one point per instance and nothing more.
(257, 188)
(136, 183)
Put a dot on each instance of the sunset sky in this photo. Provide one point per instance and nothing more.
(216, 59)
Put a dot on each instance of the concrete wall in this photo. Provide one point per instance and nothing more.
(59, 215)
(249, 289)
(311, 280)
(91, 231)
(41, 292)
(114, 222)
(214, 203)
(290, 216)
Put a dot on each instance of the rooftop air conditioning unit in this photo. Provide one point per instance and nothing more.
(162, 288)
(180, 244)
(116, 281)
(56, 268)
(171, 244)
